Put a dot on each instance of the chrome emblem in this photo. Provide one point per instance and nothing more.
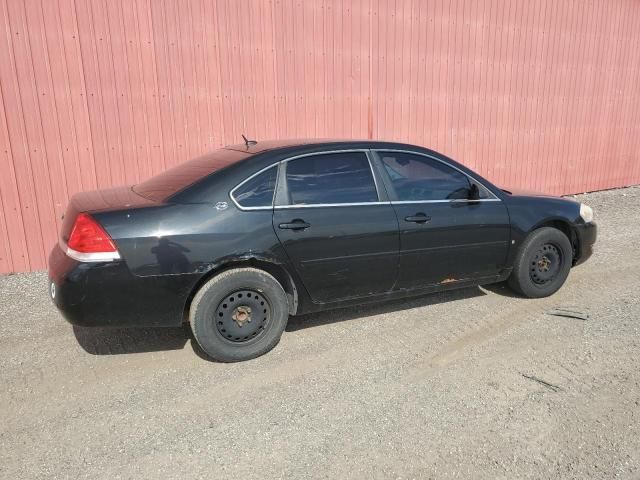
(221, 206)
(52, 290)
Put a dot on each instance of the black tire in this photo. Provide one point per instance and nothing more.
(239, 314)
(542, 263)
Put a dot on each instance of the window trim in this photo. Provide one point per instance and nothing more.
(366, 152)
(250, 177)
(371, 154)
(454, 200)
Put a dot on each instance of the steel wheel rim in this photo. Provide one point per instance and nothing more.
(545, 264)
(242, 316)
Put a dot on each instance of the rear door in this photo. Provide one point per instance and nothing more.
(340, 236)
(445, 236)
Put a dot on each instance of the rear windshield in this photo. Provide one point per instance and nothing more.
(172, 181)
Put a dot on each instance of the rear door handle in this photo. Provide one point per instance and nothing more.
(297, 224)
(418, 218)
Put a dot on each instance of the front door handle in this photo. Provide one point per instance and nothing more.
(297, 224)
(418, 218)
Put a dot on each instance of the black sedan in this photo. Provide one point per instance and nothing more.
(237, 240)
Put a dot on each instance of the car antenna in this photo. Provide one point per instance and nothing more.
(248, 142)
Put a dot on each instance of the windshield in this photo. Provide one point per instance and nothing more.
(172, 181)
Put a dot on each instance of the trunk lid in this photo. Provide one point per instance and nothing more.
(115, 198)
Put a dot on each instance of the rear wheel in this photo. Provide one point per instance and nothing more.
(542, 263)
(239, 314)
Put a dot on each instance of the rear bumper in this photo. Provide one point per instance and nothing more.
(107, 294)
(586, 234)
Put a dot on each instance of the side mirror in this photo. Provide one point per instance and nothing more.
(474, 192)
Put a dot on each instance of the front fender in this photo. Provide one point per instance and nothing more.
(530, 213)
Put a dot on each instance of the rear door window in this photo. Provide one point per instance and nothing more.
(332, 178)
(416, 178)
(257, 191)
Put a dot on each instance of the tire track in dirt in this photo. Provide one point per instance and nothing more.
(494, 326)
(334, 358)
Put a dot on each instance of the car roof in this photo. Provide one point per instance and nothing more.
(264, 153)
(267, 145)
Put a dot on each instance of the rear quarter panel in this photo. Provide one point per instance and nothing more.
(189, 239)
(168, 249)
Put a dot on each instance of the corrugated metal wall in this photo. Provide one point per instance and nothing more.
(534, 93)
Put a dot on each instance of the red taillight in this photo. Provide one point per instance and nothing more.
(87, 236)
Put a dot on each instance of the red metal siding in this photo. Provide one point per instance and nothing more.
(532, 93)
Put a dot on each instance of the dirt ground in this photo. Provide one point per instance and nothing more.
(475, 383)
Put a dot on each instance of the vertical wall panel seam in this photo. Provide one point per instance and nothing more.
(216, 39)
(635, 119)
(580, 110)
(110, 54)
(129, 97)
(221, 84)
(55, 107)
(275, 68)
(546, 105)
(11, 159)
(185, 39)
(526, 62)
(6, 245)
(87, 110)
(226, 101)
(194, 93)
(156, 85)
(589, 135)
(603, 172)
(99, 99)
(634, 24)
(169, 79)
(145, 92)
(484, 111)
(512, 95)
(583, 109)
(65, 68)
(611, 87)
(612, 150)
(634, 48)
(206, 67)
(564, 156)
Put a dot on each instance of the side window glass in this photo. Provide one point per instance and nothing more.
(415, 177)
(330, 178)
(258, 191)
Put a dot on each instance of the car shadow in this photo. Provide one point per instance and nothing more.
(502, 289)
(119, 341)
(379, 308)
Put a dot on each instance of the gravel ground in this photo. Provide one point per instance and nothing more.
(470, 384)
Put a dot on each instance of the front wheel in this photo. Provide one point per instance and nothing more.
(239, 314)
(542, 264)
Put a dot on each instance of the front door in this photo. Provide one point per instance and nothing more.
(445, 237)
(342, 241)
